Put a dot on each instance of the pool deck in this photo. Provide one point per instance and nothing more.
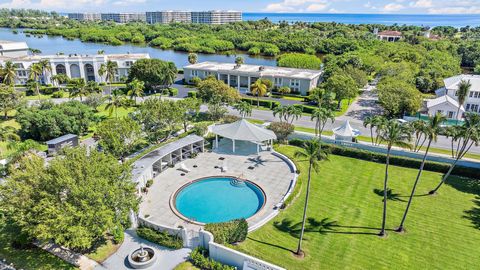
(270, 172)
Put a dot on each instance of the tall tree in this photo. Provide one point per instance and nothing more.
(46, 67)
(9, 73)
(9, 99)
(74, 202)
(281, 111)
(102, 71)
(192, 58)
(34, 72)
(119, 137)
(393, 133)
(239, 60)
(431, 131)
(135, 89)
(110, 71)
(462, 94)
(258, 88)
(217, 95)
(322, 97)
(244, 108)
(8, 133)
(293, 113)
(321, 116)
(78, 88)
(115, 101)
(343, 86)
(313, 153)
(190, 108)
(467, 135)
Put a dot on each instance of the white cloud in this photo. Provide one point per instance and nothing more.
(297, 5)
(455, 10)
(422, 4)
(392, 7)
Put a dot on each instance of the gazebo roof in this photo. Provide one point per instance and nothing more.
(243, 130)
(346, 130)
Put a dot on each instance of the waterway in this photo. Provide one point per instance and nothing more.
(52, 45)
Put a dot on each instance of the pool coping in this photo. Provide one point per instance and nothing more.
(178, 214)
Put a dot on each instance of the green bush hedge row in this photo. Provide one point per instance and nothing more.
(199, 258)
(192, 94)
(172, 92)
(229, 232)
(161, 238)
(269, 104)
(395, 160)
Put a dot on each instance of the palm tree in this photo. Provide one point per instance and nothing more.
(322, 97)
(239, 60)
(101, 52)
(110, 71)
(314, 153)
(452, 132)
(92, 87)
(8, 134)
(393, 133)
(115, 101)
(379, 122)
(420, 130)
(431, 130)
(462, 93)
(259, 88)
(281, 111)
(321, 116)
(370, 121)
(59, 79)
(467, 135)
(35, 71)
(244, 108)
(9, 73)
(192, 58)
(170, 75)
(102, 70)
(78, 89)
(135, 89)
(293, 112)
(46, 67)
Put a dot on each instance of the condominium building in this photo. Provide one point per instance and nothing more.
(216, 17)
(85, 16)
(123, 17)
(242, 76)
(74, 66)
(447, 97)
(169, 17)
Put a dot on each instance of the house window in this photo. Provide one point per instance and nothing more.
(450, 114)
(194, 73)
(128, 63)
(474, 108)
(476, 94)
(278, 82)
(467, 107)
(471, 94)
(295, 85)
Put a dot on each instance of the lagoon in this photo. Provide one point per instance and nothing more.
(53, 45)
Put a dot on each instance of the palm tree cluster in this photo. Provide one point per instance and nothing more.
(376, 122)
(244, 108)
(288, 113)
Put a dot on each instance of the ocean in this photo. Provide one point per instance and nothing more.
(457, 20)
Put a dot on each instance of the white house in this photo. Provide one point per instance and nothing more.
(447, 97)
(74, 65)
(13, 48)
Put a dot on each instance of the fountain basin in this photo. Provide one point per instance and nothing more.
(142, 258)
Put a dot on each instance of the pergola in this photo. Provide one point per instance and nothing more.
(243, 130)
(345, 132)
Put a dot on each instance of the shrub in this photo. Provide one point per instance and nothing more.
(149, 183)
(161, 238)
(48, 90)
(172, 92)
(192, 94)
(118, 235)
(394, 160)
(229, 232)
(269, 104)
(199, 258)
(58, 94)
(200, 128)
(230, 119)
(299, 60)
(195, 81)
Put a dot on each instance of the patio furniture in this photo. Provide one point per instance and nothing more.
(184, 168)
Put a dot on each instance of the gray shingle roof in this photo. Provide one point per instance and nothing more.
(62, 139)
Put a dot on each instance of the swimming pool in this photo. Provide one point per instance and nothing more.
(218, 199)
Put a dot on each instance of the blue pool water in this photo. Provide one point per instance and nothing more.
(216, 199)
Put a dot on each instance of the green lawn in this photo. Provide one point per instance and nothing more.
(29, 259)
(443, 232)
(121, 112)
(343, 107)
(103, 252)
(186, 266)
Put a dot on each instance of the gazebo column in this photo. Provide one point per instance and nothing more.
(216, 141)
(258, 148)
(233, 148)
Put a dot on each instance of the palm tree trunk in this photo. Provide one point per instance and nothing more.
(258, 100)
(458, 111)
(385, 184)
(299, 248)
(400, 228)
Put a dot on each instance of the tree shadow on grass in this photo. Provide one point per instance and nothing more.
(474, 214)
(324, 226)
(463, 184)
(270, 244)
(390, 195)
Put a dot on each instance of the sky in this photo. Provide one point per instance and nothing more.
(300, 6)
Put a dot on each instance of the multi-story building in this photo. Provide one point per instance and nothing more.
(169, 17)
(447, 97)
(74, 66)
(13, 48)
(216, 16)
(123, 17)
(85, 16)
(242, 76)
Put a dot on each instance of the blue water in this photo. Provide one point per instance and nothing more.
(217, 200)
(53, 45)
(457, 20)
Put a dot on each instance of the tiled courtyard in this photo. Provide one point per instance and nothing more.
(271, 173)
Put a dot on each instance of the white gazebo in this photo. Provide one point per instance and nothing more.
(345, 132)
(243, 130)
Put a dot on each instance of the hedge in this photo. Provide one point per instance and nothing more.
(305, 109)
(395, 160)
(229, 232)
(161, 238)
(269, 104)
(199, 258)
(172, 92)
(192, 94)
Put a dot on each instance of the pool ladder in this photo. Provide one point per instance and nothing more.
(237, 182)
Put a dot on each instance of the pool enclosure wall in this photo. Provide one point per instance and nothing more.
(152, 164)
